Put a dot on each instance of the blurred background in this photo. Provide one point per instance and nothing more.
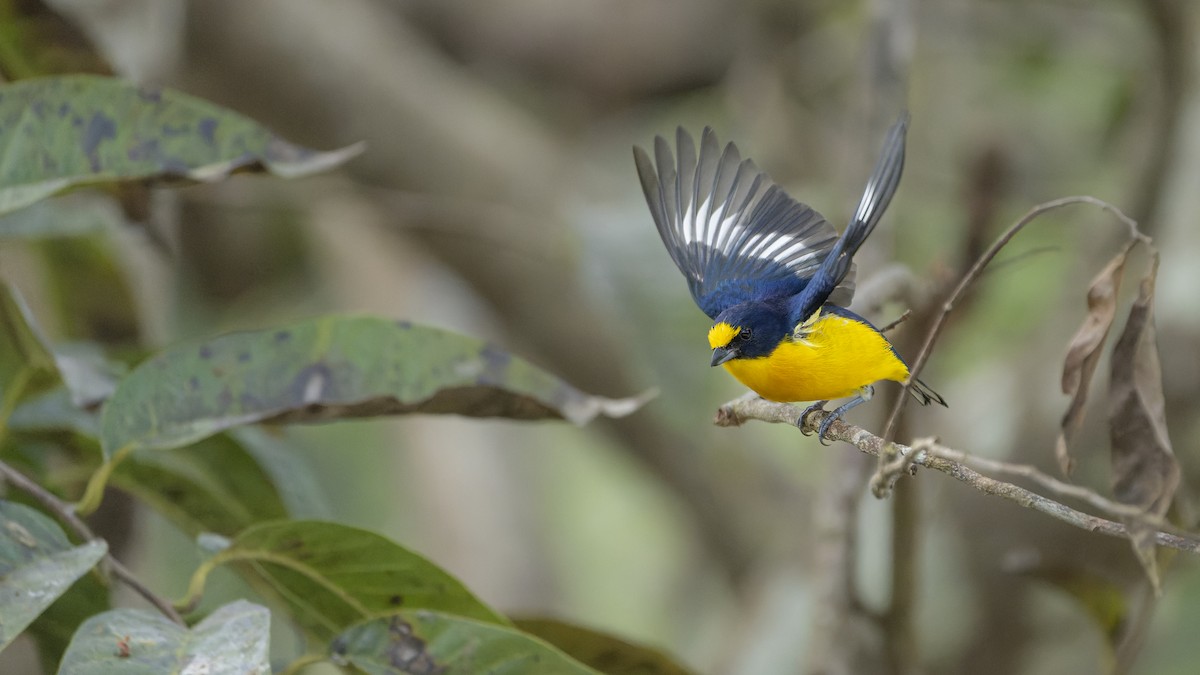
(497, 197)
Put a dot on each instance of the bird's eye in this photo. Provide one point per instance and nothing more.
(745, 334)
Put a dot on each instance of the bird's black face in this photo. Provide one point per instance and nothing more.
(747, 331)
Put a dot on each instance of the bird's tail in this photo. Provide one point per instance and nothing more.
(924, 395)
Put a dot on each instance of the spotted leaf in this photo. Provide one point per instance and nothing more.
(431, 643)
(331, 368)
(64, 131)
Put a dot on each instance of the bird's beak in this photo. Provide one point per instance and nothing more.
(722, 354)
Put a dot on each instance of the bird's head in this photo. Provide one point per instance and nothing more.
(747, 331)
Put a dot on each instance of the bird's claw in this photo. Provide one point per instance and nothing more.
(819, 405)
(825, 424)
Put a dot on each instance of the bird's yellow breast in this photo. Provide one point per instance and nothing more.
(836, 358)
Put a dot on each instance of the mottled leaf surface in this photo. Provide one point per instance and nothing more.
(231, 641)
(59, 132)
(332, 575)
(431, 643)
(1083, 352)
(326, 369)
(606, 653)
(37, 565)
(1145, 472)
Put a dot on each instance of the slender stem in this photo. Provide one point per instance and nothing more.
(932, 456)
(1112, 508)
(935, 329)
(66, 514)
(303, 662)
(899, 320)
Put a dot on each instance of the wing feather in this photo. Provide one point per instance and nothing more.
(733, 232)
(836, 266)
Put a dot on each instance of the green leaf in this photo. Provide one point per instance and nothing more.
(213, 486)
(224, 484)
(67, 216)
(90, 291)
(37, 565)
(424, 643)
(291, 473)
(56, 626)
(54, 411)
(332, 576)
(26, 363)
(89, 374)
(605, 653)
(37, 41)
(231, 641)
(326, 369)
(59, 132)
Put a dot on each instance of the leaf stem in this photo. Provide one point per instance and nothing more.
(303, 662)
(93, 494)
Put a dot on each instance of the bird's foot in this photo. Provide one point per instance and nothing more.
(836, 414)
(819, 405)
(826, 423)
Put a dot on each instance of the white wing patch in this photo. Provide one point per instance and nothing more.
(729, 228)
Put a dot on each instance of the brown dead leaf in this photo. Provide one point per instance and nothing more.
(1083, 353)
(1145, 472)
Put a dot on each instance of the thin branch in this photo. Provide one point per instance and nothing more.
(972, 274)
(65, 513)
(932, 456)
(1112, 508)
(899, 320)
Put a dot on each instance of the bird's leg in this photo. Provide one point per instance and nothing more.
(863, 396)
(819, 405)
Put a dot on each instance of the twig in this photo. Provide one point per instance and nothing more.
(1112, 508)
(899, 320)
(65, 513)
(972, 274)
(738, 411)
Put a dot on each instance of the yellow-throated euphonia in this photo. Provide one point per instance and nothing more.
(773, 274)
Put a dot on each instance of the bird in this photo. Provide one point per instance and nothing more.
(773, 274)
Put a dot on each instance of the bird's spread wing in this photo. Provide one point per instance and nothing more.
(838, 264)
(733, 233)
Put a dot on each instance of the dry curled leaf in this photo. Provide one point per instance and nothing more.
(1145, 472)
(1083, 353)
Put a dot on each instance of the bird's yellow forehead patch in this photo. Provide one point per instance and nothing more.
(722, 334)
